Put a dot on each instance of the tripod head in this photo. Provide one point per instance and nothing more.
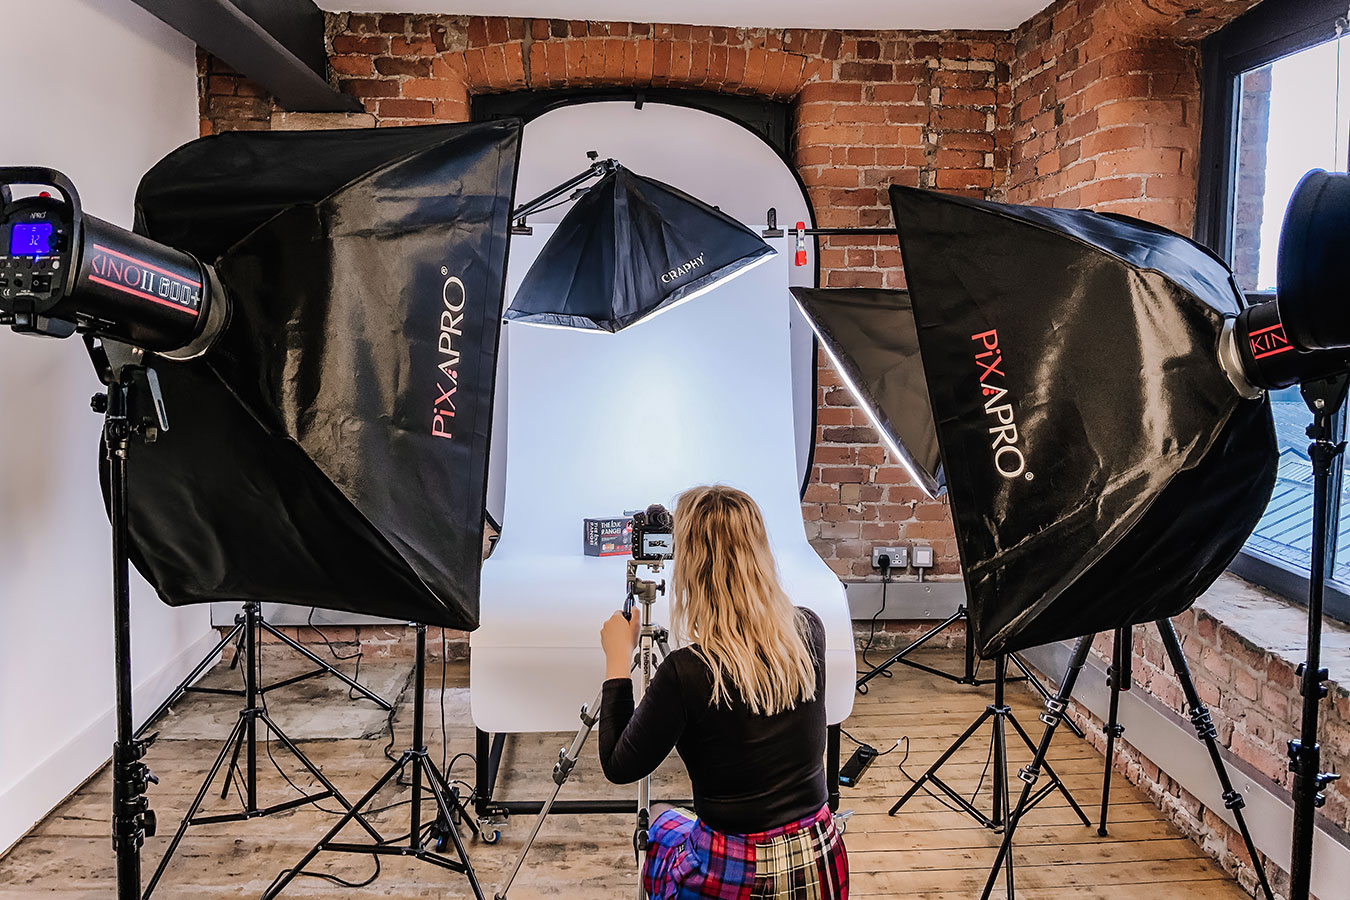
(640, 590)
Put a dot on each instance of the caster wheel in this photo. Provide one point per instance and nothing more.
(489, 837)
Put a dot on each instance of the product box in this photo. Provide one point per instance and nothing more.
(608, 537)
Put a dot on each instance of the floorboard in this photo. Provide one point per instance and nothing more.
(928, 851)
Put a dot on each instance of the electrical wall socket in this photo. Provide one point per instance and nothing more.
(923, 556)
(899, 556)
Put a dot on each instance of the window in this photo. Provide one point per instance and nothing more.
(1277, 104)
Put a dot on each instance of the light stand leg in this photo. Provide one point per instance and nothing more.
(1053, 715)
(1030, 678)
(449, 809)
(1118, 678)
(1000, 715)
(183, 686)
(832, 765)
(1205, 730)
(325, 667)
(562, 771)
(902, 656)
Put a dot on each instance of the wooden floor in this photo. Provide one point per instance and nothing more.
(926, 852)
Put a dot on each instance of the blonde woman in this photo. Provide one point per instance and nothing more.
(744, 703)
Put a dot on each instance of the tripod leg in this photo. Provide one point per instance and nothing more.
(900, 656)
(447, 812)
(178, 692)
(238, 737)
(1057, 784)
(1054, 714)
(289, 875)
(1205, 730)
(929, 775)
(326, 666)
(1113, 731)
(233, 740)
(1039, 688)
(562, 771)
(314, 770)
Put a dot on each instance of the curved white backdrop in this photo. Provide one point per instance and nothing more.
(602, 423)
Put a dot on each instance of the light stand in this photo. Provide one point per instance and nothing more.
(652, 639)
(599, 169)
(1324, 398)
(449, 808)
(243, 739)
(969, 674)
(998, 714)
(133, 819)
(1200, 720)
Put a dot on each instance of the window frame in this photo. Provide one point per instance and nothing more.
(1270, 31)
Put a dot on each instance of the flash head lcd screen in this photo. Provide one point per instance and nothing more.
(30, 239)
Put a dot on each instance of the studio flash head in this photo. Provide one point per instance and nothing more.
(653, 534)
(62, 271)
(1304, 333)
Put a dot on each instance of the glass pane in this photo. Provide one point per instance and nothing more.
(1293, 115)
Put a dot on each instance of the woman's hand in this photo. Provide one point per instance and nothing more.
(618, 637)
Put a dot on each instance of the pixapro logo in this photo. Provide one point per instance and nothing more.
(1008, 457)
(453, 301)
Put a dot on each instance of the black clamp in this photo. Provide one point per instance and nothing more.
(1203, 723)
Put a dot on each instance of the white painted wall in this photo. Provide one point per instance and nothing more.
(99, 89)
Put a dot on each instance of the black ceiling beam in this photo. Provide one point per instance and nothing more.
(277, 43)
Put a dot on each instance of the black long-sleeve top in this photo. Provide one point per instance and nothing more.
(749, 772)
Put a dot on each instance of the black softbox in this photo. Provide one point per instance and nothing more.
(1102, 470)
(870, 337)
(629, 248)
(331, 449)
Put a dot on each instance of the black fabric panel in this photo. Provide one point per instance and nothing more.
(870, 333)
(1105, 386)
(331, 449)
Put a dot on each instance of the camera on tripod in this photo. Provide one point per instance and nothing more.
(653, 534)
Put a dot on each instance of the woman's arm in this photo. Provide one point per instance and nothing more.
(633, 743)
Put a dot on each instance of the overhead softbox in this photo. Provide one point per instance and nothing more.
(1102, 469)
(628, 249)
(331, 449)
(870, 337)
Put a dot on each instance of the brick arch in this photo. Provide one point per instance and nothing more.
(425, 68)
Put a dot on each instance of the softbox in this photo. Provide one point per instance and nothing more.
(629, 248)
(870, 337)
(1101, 468)
(331, 449)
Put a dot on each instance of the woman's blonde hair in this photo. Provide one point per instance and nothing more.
(726, 599)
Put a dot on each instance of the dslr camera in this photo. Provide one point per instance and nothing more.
(653, 534)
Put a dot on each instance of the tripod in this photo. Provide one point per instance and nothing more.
(999, 715)
(652, 639)
(450, 809)
(969, 674)
(236, 636)
(243, 740)
(1054, 714)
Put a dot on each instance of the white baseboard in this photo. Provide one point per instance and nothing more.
(51, 781)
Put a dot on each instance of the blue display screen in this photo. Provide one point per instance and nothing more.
(30, 239)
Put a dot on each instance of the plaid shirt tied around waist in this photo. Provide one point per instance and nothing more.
(803, 860)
